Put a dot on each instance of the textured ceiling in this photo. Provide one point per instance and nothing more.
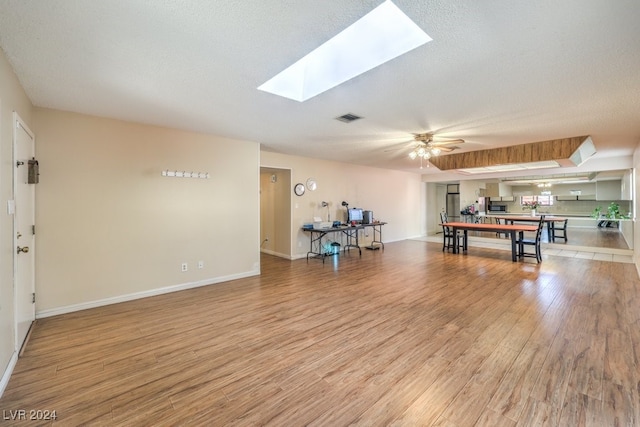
(497, 72)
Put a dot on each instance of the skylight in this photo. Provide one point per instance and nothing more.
(512, 167)
(380, 36)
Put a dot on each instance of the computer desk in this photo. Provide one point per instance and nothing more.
(351, 233)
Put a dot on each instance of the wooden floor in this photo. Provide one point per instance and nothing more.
(408, 336)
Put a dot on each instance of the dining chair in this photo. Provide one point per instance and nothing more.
(561, 229)
(449, 237)
(532, 243)
(501, 222)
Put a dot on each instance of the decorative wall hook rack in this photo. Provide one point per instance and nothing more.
(185, 174)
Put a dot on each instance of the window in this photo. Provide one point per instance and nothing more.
(542, 200)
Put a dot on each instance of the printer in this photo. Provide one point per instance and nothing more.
(319, 224)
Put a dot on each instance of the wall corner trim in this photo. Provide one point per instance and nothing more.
(4, 381)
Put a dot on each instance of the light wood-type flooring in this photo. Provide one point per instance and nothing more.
(408, 336)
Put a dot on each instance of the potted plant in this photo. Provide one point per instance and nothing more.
(608, 218)
(613, 211)
(533, 205)
(597, 212)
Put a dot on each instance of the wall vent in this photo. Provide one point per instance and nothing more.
(348, 118)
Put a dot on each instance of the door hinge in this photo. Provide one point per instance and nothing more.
(33, 298)
(33, 230)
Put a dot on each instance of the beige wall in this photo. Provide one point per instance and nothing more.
(394, 197)
(12, 98)
(111, 228)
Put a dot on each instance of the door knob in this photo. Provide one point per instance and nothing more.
(23, 249)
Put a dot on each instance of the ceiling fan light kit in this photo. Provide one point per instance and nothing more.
(428, 148)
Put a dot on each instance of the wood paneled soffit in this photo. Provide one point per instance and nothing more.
(567, 152)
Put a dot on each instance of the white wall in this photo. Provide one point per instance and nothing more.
(394, 197)
(111, 228)
(12, 98)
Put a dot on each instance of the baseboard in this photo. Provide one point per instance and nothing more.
(144, 294)
(278, 254)
(7, 372)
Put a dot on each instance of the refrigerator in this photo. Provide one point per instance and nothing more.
(483, 205)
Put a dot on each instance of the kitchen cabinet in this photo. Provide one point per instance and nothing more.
(626, 186)
(574, 198)
(491, 189)
(498, 190)
(608, 190)
(503, 199)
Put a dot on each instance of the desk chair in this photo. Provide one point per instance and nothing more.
(449, 237)
(532, 242)
(562, 231)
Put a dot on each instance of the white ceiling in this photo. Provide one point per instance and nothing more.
(497, 73)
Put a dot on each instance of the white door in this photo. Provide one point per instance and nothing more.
(24, 229)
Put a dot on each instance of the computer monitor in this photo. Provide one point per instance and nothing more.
(355, 214)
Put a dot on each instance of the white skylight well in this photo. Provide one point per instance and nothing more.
(380, 36)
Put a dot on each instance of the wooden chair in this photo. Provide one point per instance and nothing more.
(449, 237)
(562, 231)
(533, 243)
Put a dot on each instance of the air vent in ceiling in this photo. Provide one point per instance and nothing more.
(348, 118)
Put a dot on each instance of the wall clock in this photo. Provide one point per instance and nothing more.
(311, 184)
(299, 189)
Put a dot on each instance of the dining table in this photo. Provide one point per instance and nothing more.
(549, 220)
(512, 230)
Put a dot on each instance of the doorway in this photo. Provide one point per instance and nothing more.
(275, 211)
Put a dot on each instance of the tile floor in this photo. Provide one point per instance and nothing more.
(552, 249)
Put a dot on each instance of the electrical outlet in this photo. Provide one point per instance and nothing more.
(200, 264)
(185, 267)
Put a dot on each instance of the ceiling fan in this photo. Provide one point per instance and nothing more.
(430, 145)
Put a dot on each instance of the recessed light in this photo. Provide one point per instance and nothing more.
(380, 36)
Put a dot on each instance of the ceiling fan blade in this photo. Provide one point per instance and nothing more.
(406, 145)
(447, 149)
(447, 141)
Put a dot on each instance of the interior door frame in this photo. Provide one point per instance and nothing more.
(18, 122)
